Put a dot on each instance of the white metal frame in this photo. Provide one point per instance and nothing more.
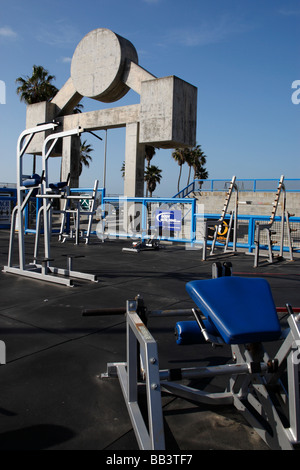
(44, 270)
(77, 213)
(140, 340)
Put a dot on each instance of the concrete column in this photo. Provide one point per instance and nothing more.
(134, 162)
(70, 160)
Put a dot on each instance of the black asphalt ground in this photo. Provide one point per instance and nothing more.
(52, 395)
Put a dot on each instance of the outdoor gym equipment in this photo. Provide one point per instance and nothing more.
(232, 225)
(269, 231)
(77, 211)
(162, 223)
(39, 187)
(141, 245)
(152, 243)
(229, 311)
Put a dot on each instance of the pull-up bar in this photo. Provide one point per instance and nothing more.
(33, 270)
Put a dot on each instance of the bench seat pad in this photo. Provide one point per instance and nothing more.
(241, 309)
(35, 180)
(188, 332)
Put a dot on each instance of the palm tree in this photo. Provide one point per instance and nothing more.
(179, 156)
(201, 174)
(149, 153)
(189, 159)
(199, 160)
(152, 177)
(38, 87)
(123, 170)
(78, 108)
(195, 158)
(85, 158)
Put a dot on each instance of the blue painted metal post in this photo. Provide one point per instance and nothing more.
(144, 220)
(193, 221)
(251, 234)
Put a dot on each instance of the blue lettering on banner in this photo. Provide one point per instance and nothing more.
(170, 220)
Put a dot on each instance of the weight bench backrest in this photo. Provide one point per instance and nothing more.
(241, 309)
(34, 180)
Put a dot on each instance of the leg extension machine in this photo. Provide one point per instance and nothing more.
(264, 388)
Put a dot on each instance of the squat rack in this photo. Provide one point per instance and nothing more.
(268, 227)
(232, 226)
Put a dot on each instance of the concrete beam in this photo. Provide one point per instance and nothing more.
(102, 119)
(134, 75)
(67, 98)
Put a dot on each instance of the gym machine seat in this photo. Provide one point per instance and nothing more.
(34, 180)
(220, 301)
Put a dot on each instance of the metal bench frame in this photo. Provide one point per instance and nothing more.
(254, 382)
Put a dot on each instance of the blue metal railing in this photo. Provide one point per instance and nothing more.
(190, 217)
(194, 217)
(37, 202)
(245, 184)
(144, 202)
(251, 220)
(8, 199)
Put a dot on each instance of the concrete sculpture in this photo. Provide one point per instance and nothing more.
(104, 67)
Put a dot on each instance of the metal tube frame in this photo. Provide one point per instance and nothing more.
(232, 223)
(139, 338)
(267, 227)
(254, 385)
(22, 199)
(34, 270)
(77, 213)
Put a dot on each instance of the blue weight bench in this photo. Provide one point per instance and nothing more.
(58, 186)
(32, 184)
(34, 180)
(238, 310)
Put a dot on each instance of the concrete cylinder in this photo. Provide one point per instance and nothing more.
(98, 64)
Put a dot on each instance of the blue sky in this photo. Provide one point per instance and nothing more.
(242, 55)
